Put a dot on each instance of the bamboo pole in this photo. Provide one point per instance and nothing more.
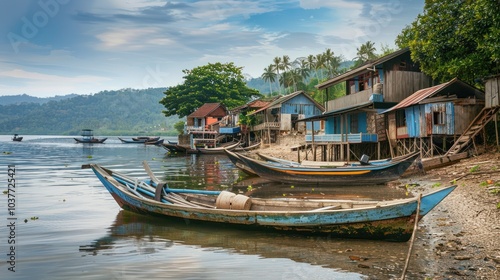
(496, 130)
(412, 237)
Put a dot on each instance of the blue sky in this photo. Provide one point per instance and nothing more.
(58, 47)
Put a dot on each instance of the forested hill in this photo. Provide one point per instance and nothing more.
(121, 112)
(24, 98)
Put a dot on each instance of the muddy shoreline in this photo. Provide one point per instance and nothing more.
(463, 231)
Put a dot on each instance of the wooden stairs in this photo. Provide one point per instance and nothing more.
(474, 128)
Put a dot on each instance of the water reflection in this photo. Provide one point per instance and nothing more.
(150, 235)
(75, 209)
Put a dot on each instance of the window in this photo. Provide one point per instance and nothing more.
(400, 118)
(354, 123)
(438, 118)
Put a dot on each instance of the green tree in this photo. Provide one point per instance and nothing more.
(210, 83)
(277, 66)
(179, 126)
(365, 53)
(269, 76)
(455, 39)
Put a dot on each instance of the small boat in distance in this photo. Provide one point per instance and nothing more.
(146, 138)
(88, 137)
(17, 138)
(154, 142)
(391, 220)
(139, 140)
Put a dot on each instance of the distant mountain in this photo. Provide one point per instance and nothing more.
(120, 112)
(24, 98)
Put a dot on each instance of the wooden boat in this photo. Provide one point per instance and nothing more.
(387, 220)
(217, 150)
(145, 138)
(178, 149)
(139, 140)
(235, 159)
(154, 142)
(249, 148)
(335, 176)
(321, 163)
(17, 138)
(88, 137)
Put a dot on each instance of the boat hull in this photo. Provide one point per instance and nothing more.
(339, 176)
(392, 222)
(91, 141)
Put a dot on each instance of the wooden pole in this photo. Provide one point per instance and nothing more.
(412, 237)
(496, 130)
(390, 145)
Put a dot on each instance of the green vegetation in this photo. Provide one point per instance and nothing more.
(456, 39)
(211, 83)
(475, 168)
(179, 127)
(121, 112)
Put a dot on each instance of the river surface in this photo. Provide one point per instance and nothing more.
(66, 225)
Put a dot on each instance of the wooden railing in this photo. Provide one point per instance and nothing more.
(349, 100)
(266, 125)
(343, 138)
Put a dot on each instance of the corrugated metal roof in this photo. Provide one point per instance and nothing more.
(418, 96)
(453, 85)
(205, 110)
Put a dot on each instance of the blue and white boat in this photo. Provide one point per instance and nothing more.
(385, 220)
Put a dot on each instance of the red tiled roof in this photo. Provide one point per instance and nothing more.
(205, 110)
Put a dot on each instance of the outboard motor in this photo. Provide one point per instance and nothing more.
(364, 159)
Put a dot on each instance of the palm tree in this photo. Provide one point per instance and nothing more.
(320, 63)
(311, 64)
(277, 66)
(328, 56)
(286, 65)
(286, 79)
(334, 65)
(302, 69)
(269, 76)
(366, 52)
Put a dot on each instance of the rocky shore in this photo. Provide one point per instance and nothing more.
(463, 231)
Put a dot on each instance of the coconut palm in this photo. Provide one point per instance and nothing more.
(286, 65)
(328, 56)
(311, 64)
(366, 52)
(269, 76)
(320, 63)
(302, 69)
(334, 65)
(277, 66)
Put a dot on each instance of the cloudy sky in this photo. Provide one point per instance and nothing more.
(58, 47)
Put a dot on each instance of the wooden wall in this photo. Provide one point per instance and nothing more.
(492, 91)
(400, 84)
(464, 115)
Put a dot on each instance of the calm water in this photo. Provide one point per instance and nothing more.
(75, 230)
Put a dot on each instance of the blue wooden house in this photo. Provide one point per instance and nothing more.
(431, 119)
(353, 123)
(283, 114)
